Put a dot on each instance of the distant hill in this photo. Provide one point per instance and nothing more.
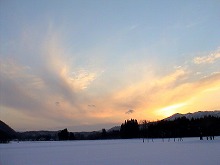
(195, 115)
(38, 135)
(115, 128)
(6, 132)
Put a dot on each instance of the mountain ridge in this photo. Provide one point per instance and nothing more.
(195, 115)
(7, 131)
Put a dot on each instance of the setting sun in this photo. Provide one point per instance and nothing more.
(170, 110)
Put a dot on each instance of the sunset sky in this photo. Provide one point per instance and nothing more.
(91, 64)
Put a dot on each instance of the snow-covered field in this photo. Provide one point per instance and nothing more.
(191, 151)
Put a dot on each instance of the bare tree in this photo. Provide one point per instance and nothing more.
(144, 128)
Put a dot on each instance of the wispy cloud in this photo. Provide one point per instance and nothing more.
(211, 58)
(62, 91)
(129, 111)
(162, 96)
(59, 64)
(54, 70)
(91, 106)
(82, 78)
(52, 90)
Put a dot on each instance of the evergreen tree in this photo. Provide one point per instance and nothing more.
(104, 134)
(71, 136)
(63, 134)
(130, 129)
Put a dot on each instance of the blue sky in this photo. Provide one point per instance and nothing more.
(86, 63)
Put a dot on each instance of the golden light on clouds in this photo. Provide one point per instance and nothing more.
(152, 97)
(56, 60)
(63, 91)
(211, 58)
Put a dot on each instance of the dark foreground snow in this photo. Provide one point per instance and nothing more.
(191, 151)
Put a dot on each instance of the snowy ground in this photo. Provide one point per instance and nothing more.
(191, 151)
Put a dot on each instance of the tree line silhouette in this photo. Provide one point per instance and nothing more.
(130, 129)
(66, 135)
(205, 128)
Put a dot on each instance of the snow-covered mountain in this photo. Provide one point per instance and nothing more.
(195, 115)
